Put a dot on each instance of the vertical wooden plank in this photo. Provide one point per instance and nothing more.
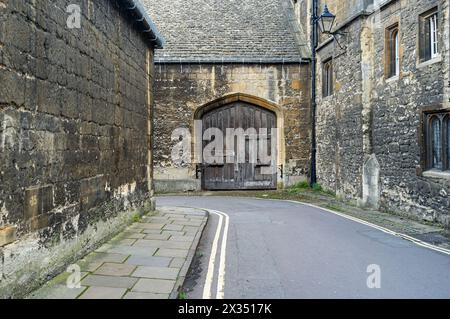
(235, 122)
(273, 153)
(214, 125)
(228, 170)
(204, 168)
(220, 126)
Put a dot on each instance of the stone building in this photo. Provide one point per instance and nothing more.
(75, 131)
(383, 95)
(249, 57)
(383, 129)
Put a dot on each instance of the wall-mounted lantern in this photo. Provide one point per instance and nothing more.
(326, 21)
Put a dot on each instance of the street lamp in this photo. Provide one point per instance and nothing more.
(326, 21)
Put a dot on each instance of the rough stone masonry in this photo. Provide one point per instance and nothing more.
(75, 133)
(218, 49)
(371, 140)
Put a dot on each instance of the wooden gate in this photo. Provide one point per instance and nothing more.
(240, 174)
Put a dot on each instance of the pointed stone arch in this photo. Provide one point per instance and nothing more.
(236, 97)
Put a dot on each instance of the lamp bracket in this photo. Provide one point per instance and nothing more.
(341, 33)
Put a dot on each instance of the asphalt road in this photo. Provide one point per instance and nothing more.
(279, 249)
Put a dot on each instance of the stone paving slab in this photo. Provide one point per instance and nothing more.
(162, 244)
(133, 235)
(173, 233)
(108, 257)
(57, 291)
(127, 242)
(166, 252)
(111, 269)
(176, 262)
(103, 293)
(156, 272)
(150, 226)
(190, 229)
(173, 227)
(154, 286)
(108, 281)
(181, 238)
(145, 295)
(188, 222)
(156, 236)
(133, 250)
(148, 260)
(151, 231)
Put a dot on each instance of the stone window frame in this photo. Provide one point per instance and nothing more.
(392, 30)
(327, 77)
(427, 115)
(422, 60)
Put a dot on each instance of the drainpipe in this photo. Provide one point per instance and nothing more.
(314, 43)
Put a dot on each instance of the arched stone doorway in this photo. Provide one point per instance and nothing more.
(243, 166)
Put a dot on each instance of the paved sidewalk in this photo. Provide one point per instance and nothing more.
(149, 260)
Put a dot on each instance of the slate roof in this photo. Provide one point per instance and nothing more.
(227, 30)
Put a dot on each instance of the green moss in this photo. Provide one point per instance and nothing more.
(335, 208)
(301, 185)
(182, 295)
(136, 218)
(305, 189)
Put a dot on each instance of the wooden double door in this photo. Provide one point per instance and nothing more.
(241, 173)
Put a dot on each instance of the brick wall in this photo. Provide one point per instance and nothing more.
(74, 136)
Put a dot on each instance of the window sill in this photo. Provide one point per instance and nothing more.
(434, 173)
(429, 62)
(392, 79)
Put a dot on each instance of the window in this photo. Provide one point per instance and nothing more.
(433, 20)
(327, 78)
(429, 35)
(438, 141)
(396, 54)
(392, 52)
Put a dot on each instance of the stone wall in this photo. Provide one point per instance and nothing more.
(344, 10)
(339, 121)
(180, 89)
(370, 142)
(74, 134)
(445, 9)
